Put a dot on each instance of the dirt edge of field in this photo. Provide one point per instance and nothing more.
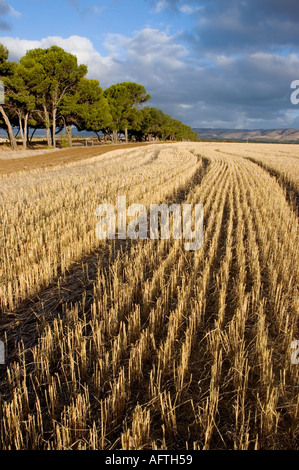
(59, 157)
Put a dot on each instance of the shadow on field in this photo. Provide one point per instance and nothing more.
(25, 324)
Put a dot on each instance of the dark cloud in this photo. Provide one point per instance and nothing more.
(6, 10)
(237, 26)
(249, 9)
(86, 12)
(233, 26)
(252, 90)
(5, 26)
(247, 55)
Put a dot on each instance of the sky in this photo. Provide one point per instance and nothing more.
(209, 63)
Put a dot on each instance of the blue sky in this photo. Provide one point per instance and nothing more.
(93, 19)
(209, 63)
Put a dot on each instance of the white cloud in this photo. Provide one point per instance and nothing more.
(189, 10)
(160, 6)
(98, 66)
(149, 56)
(224, 60)
(97, 10)
(18, 47)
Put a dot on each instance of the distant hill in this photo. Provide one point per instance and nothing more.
(257, 135)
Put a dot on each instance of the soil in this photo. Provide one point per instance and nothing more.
(34, 159)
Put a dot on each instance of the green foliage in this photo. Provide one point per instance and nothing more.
(6, 68)
(53, 74)
(158, 125)
(124, 99)
(86, 108)
(49, 88)
(19, 93)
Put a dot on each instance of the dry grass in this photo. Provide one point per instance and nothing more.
(280, 160)
(142, 345)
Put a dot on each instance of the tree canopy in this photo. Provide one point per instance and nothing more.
(123, 99)
(86, 108)
(56, 75)
(49, 90)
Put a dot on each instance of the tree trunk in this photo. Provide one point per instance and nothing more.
(21, 128)
(48, 136)
(25, 132)
(69, 134)
(47, 124)
(114, 136)
(12, 139)
(54, 127)
(126, 135)
(32, 135)
(98, 135)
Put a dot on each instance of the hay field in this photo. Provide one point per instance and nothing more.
(123, 344)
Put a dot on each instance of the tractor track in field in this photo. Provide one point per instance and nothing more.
(292, 195)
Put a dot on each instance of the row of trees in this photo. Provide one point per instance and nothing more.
(48, 90)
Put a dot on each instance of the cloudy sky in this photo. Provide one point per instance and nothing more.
(209, 63)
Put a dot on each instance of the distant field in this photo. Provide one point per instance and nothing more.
(123, 344)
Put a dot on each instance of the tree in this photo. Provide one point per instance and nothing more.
(6, 72)
(86, 108)
(152, 122)
(124, 98)
(48, 89)
(54, 74)
(156, 124)
(21, 101)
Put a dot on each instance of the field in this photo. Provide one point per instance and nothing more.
(140, 344)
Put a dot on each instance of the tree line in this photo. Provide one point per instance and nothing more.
(49, 90)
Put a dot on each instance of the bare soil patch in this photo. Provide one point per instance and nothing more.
(50, 158)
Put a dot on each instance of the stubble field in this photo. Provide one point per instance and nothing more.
(123, 344)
